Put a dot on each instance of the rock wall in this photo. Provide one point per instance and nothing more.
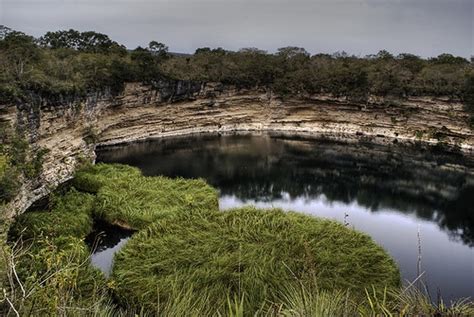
(71, 128)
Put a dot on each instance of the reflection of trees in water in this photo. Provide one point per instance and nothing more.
(434, 186)
(106, 236)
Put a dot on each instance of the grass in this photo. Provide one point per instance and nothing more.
(126, 198)
(70, 215)
(53, 264)
(248, 253)
(137, 202)
(91, 178)
(191, 260)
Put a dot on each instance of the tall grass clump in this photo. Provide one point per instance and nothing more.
(50, 277)
(127, 198)
(249, 254)
(70, 215)
(137, 202)
(90, 178)
(50, 260)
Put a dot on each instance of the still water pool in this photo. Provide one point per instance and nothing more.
(398, 195)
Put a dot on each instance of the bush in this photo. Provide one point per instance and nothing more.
(9, 180)
(246, 253)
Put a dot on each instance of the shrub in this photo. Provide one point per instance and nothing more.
(9, 180)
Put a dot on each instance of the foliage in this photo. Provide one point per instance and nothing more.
(91, 177)
(17, 160)
(82, 41)
(73, 63)
(9, 183)
(127, 198)
(200, 263)
(247, 252)
(293, 71)
(469, 96)
(70, 215)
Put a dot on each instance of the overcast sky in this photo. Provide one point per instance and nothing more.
(422, 27)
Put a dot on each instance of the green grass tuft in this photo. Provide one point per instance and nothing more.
(91, 178)
(137, 202)
(71, 215)
(247, 252)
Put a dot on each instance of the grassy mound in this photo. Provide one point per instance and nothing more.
(248, 253)
(127, 198)
(91, 178)
(70, 215)
(138, 202)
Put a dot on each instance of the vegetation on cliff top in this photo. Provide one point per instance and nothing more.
(71, 63)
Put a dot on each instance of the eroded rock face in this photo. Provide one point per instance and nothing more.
(70, 128)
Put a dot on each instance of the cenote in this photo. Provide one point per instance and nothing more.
(399, 195)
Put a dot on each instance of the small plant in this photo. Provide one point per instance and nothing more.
(419, 134)
(91, 135)
(9, 179)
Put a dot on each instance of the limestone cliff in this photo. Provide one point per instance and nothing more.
(71, 128)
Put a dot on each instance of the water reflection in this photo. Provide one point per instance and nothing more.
(385, 191)
(105, 241)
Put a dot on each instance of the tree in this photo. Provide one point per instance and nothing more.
(159, 49)
(252, 50)
(292, 51)
(4, 31)
(145, 64)
(202, 50)
(90, 41)
(62, 39)
(449, 59)
(19, 50)
(384, 55)
(413, 62)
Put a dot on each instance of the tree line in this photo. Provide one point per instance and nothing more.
(72, 62)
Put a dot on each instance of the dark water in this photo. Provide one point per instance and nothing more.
(105, 241)
(392, 193)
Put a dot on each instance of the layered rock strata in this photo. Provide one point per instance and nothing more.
(70, 129)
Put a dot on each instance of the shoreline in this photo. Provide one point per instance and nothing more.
(465, 149)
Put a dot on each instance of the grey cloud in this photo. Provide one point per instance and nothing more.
(424, 27)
